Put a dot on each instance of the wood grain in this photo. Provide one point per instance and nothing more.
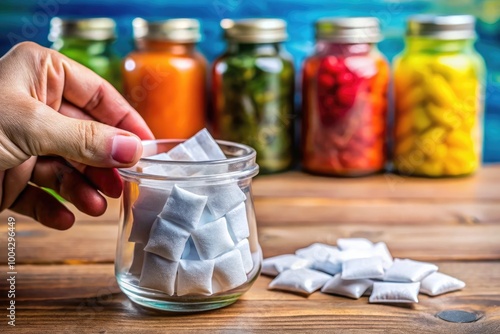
(431, 243)
(482, 186)
(118, 315)
(90, 243)
(66, 281)
(60, 282)
(83, 304)
(329, 211)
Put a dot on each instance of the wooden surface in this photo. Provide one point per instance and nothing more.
(65, 281)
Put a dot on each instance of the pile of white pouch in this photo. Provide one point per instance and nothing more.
(190, 239)
(356, 267)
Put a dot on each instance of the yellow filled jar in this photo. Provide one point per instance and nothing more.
(439, 84)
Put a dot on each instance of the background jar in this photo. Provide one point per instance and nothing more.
(166, 282)
(439, 84)
(253, 88)
(165, 78)
(89, 42)
(345, 99)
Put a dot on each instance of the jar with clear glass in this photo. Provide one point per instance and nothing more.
(344, 114)
(253, 91)
(188, 237)
(90, 43)
(439, 87)
(165, 77)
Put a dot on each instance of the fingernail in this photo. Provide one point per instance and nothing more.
(124, 149)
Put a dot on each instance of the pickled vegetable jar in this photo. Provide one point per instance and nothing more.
(89, 42)
(165, 78)
(253, 88)
(438, 93)
(345, 99)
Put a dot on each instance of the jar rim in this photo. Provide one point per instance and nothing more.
(247, 155)
(93, 28)
(444, 27)
(348, 30)
(255, 30)
(180, 30)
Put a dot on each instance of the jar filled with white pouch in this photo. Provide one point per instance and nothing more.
(188, 237)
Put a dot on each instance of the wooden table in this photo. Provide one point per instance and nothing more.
(65, 281)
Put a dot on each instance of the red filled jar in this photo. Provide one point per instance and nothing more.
(345, 87)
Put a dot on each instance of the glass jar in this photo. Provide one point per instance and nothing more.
(439, 98)
(253, 88)
(89, 42)
(345, 99)
(188, 241)
(165, 78)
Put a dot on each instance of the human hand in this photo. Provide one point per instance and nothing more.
(62, 127)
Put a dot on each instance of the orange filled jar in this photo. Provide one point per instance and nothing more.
(345, 99)
(165, 78)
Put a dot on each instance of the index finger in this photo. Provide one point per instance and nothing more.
(88, 91)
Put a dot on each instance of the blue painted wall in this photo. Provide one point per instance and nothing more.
(29, 20)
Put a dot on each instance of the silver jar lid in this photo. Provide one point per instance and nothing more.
(174, 30)
(441, 27)
(255, 30)
(96, 29)
(348, 30)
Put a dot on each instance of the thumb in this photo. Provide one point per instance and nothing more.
(88, 142)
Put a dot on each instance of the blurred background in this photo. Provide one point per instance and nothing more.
(30, 20)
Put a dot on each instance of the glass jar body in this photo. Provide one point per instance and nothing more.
(253, 94)
(98, 55)
(168, 260)
(439, 108)
(344, 119)
(166, 83)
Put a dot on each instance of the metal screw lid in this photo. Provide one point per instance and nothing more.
(95, 29)
(452, 27)
(174, 30)
(348, 30)
(255, 30)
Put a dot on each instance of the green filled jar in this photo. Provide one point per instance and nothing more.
(89, 42)
(439, 86)
(253, 88)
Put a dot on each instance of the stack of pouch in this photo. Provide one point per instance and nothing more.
(190, 239)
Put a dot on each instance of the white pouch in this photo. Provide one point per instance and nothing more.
(317, 252)
(356, 243)
(238, 223)
(158, 273)
(385, 292)
(380, 249)
(205, 145)
(180, 153)
(363, 268)
(142, 222)
(246, 255)
(351, 288)
(222, 198)
(303, 281)
(273, 266)
(184, 208)
(152, 198)
(439, 283)
(212, 239)
(195, 277)
(167, 240)
(229, 271)
(332, 265)
(409, 271)
(354, 253)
